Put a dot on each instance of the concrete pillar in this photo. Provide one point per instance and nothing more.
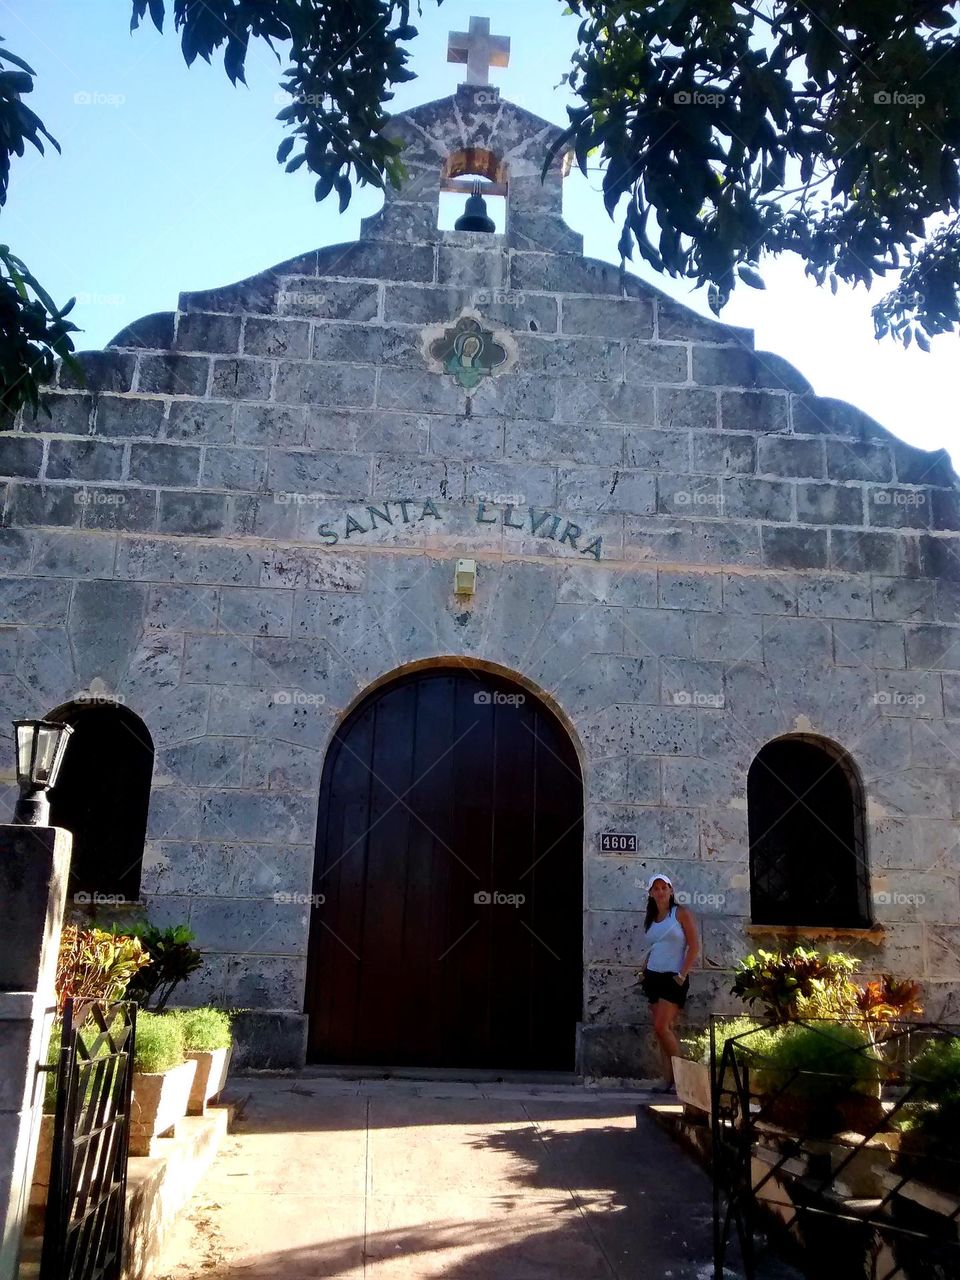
(34, 866)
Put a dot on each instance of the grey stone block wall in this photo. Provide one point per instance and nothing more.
(178, 533)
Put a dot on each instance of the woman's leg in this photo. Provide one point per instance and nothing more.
(664, 1016)
(657, 1016)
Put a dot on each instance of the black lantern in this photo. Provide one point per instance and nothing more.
(40, 748)
(475, 216)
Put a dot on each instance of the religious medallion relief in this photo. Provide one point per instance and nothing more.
(468, 351)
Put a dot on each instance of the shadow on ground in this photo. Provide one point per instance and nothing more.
(412, 1188)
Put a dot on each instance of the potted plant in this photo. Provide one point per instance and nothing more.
(691, 1070)
(821, 1077)
(162, 1080)
(93, 964)
(172, 961)
(798, 984)
(803, 987)
(887, 1004)
(208, 1042)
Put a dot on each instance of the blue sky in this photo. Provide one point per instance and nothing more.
(168, 181)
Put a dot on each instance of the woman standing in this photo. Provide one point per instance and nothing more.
(674, 947)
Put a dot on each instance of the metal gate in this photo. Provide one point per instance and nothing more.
(84, 1230)
(857, 1196)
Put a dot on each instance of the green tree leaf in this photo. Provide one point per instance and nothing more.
(829, 131)
(749, 275)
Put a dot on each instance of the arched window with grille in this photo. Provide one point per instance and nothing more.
(102, 796)
(808, 859)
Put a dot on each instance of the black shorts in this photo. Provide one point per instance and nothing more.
(664, 986)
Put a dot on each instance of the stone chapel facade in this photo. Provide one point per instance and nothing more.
(251, 515)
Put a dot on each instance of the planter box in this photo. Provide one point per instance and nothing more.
(159, 1101)
(693, 1083)
(211, 1076)
(856, 1112)
(791, 1104)
(40, 1186)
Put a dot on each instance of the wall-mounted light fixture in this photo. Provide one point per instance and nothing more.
(40, 748)
(465, 578)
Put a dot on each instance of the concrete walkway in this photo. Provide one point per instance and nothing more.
(395, 1180)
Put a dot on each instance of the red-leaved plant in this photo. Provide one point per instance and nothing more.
(93, 964)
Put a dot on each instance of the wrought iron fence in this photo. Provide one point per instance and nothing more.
(854, 1166)
(84, 1228)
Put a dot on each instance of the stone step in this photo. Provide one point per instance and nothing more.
(428, 1074)
(30, 1250)
(158, 1188)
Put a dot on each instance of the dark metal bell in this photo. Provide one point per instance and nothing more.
(475, 216)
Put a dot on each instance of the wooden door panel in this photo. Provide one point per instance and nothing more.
(431, 797)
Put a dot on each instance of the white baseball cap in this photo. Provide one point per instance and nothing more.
(659, 876)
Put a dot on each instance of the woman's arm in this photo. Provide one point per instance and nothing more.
(692, 953)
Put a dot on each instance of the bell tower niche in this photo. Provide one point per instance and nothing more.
(481, 178)
(473, 138)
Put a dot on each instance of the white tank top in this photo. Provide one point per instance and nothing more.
(668, 944)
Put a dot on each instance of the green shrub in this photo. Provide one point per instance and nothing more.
(50, 1077)
(936, 1069)
(93, 964)
(798, 984)
(172, 961)
(935, 1113)
(159, 1044)
(832, 1059)
(757, 1040)
(205, 1029)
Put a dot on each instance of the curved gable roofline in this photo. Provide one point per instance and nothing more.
(364, 265)
(476, 116)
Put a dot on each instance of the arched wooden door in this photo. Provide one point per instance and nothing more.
(449, 860)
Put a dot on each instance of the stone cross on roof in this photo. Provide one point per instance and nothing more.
(479, 50)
